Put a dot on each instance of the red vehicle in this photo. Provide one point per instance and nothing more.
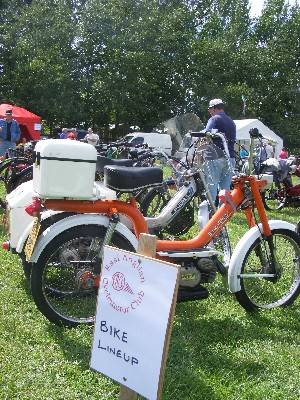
(283, 193)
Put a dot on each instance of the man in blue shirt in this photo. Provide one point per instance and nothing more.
(220, 175)
(9, 134)
(64, 133)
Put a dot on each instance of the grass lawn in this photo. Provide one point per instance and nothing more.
(217, 350)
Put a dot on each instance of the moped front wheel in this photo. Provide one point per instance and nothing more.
(64, 280)
(262, 286)
(154, 201)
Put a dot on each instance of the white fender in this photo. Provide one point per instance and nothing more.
(243, 246)
(77, 220)
(22, 239)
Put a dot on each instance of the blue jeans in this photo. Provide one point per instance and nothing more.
(5, 146)
(218, 175)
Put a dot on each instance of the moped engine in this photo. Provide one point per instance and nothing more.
(197, 271)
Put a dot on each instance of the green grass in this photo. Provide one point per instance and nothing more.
(217, 350)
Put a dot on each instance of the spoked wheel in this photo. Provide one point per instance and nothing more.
(273, 198)
(64, 282)
(261, 286)
(45, 223)
(154, 201)
(140, 196)
(23, 176)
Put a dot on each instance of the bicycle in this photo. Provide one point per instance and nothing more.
(16, 170)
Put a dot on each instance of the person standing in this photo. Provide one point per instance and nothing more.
(222, 123)
(91, 137)
(21, 146)
(243, 152)
(263, 155)
(269, 149)
(9, 134)
(74, 131)
(283, 154)
(64, 133)
(71, 136)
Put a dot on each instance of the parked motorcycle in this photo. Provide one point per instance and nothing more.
(17, 222)
(16, 170)
(282, 193)
(264, 269)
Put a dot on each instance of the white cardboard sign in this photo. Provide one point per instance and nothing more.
(134, 302)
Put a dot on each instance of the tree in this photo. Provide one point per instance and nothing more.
(135, 53)
(141, 62)
(278, 95)
(42, 62)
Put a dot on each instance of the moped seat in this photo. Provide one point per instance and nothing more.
(102, 161)
(124, 179)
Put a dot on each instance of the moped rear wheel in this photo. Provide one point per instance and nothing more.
(63, 281)
(261, 286)
(45, 223)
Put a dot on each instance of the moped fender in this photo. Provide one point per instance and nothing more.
(76, 220)
(24, 236)
(241, 249)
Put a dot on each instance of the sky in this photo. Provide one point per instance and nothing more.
(257, 6)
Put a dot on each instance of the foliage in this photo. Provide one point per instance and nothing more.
(140, 62)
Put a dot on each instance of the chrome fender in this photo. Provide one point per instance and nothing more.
(77, 220)
(242, 248)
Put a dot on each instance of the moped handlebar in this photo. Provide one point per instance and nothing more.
(203, 134)
(254, 133)
(200, 134)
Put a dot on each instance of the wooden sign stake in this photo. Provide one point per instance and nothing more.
(146, 247)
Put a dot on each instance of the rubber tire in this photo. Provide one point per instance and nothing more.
(46, 297)
(23, 176)
(154, 201)
(263, 293)
(267, 204)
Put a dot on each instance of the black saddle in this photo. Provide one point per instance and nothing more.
(124, 179)
(102, 161)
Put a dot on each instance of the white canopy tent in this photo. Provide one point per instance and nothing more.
(243, 137)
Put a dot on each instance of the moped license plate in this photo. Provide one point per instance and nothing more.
(33, 234)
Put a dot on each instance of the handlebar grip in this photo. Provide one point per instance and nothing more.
(199, 134)
(254, 133)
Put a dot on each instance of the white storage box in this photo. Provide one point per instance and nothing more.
(64, 168)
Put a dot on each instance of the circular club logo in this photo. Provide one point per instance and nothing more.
(119, 283)
(122, 281)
